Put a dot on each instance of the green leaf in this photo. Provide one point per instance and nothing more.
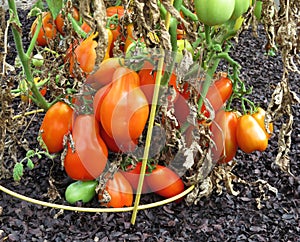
(18, 171)
(55, 6)
(30, 164)
(30, 153)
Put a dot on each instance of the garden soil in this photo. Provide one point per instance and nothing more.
(256, 214)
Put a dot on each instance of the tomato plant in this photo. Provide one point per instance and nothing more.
(81, 191)
(224, 136)
(124, 110)
(48, 30)
(119, 190)
(164, 182)
(88, 159)
(214, 12)
(56, 124)
(249, 134)
(132, 174)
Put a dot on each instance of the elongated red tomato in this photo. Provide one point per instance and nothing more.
(124, 110)
(84, 54)
(120, 192)
(90, 156)
(218, 94)
(224, 136)
(164, 182)
(56, 123)
(132, 174)
(249, 135)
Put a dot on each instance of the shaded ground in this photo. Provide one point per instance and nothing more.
(217, 218)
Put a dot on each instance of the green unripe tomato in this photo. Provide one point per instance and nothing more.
(38, 60)
(240, 7)
(81, 191)
(214, 12)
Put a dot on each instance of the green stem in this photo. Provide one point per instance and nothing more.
(207, 35)
(207, 82)
(35, 36)
(76, 26)
(25, 59)
(186, 12)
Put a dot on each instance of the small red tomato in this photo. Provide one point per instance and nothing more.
(56, 124)
(48, 30)
(249, 135)
(120, 192)
(164, 182)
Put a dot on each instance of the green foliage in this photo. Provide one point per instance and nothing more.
(55, 6)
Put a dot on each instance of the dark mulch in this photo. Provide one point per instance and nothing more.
(217, 218)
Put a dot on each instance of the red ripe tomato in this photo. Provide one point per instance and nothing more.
(164, 182)
(98, 99)
(224, 136)
(48, 30)
(104, 74)
(132, 174)
(90, 156)
(56, 124)
(60, 19)
(249, 135)
(120, 192)
(84, 54)
(218, 94)
(124, 110)
(117, 148)
(260, 118)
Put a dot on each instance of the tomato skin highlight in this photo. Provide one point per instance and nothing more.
(214, 12)
(124, 110)
(249, 135)
(90, 156)
(120, 192)
(164, 182)
(48, 30)
(224, 136)
(56, 123)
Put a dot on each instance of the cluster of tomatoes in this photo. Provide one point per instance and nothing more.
(117, 114)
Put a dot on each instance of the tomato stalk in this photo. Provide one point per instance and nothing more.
(25, 57)
(76, 26)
